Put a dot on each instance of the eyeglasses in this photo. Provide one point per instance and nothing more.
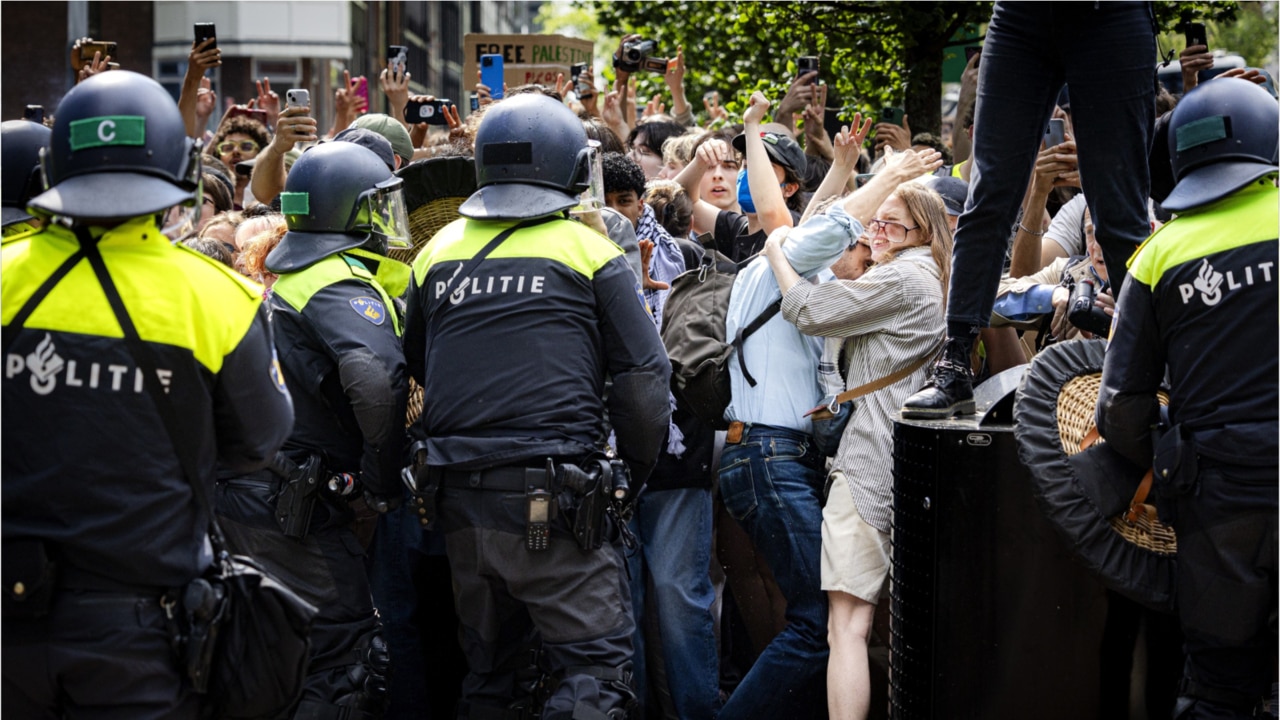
(244, 146)
(895, 231)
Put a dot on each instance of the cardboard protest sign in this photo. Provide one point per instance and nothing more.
(526, 58)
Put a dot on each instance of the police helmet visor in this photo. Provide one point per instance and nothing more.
(382, 210)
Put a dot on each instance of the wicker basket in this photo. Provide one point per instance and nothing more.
(424, 222)
(1077, 403)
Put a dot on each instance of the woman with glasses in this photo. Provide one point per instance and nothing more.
(238, 139)
(889, 319)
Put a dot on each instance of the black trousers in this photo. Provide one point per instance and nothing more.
(1227, 566)
(1103, 51)
(574, 604)
(95, 655)
(327, 569)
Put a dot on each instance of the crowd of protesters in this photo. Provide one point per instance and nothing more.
(755, 561)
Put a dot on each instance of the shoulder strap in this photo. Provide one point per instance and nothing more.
(143, 354)
(745, 332)
(479, 257)
(750, 328)
(875, 385)
(15, 325)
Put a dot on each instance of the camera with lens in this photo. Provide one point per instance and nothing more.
(638, 55)
(1084, 313)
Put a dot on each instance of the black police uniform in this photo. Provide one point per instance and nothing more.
(89, 469)
(513, 365)
(20, 176)
(1201, 302)
(337, 334)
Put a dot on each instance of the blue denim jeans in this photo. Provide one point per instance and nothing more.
(674, 530)
(1105, 53)
(771, 483)
(397, 543)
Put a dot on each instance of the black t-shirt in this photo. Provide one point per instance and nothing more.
(734, 240)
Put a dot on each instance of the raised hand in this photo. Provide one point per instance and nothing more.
(757, 108)
(1058, 166)
(294, 125)
(97, 65)
(897, 137)
(655, 106)
(268, 100)
(395, 85)
(715, 111)
(646, 254)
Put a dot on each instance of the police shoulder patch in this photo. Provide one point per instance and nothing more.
(370, 309)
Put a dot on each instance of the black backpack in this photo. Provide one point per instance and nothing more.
(693, 331)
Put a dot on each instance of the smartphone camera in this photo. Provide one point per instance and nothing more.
(397, 58)
(807, 64)
(204, 31)
(1197, 34)
(575, 72)
(297, 97)
(430, 112)
(34, 113)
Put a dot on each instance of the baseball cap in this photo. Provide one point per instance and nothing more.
(391, 129)
(782, 149)
(953, 190)
(370, 140)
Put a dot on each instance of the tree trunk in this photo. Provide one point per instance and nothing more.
(924, 87)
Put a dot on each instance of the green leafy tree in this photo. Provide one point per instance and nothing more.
(1247, 28)
(874, 54)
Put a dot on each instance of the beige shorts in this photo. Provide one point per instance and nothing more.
(855, 555)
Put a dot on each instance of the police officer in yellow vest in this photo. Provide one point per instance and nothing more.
(20, 143)
(101, 528)
(1200, 305)
(513, 352)
(337, 331)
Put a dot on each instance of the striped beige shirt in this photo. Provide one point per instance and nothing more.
(888, 319)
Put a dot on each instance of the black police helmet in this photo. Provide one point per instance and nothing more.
(1222, 136)
(326, 203)
(119, 149)
(532, 160)
(20, 145)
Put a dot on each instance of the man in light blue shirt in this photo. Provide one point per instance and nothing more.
(783, 362)
(771, 473)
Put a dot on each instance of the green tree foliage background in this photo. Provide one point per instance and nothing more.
(874, 54)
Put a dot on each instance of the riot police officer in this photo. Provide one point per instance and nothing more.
(20, 143)
(516, 314)
(337, 331)
(1200, 304)
(101, 529)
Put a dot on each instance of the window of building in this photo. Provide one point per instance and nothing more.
(284, 72)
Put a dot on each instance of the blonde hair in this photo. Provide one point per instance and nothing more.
(929, 212)
(252, 260)
(679, 148)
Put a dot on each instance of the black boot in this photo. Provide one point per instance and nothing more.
(950, 387)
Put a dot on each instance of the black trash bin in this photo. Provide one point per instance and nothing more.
(991, 615)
